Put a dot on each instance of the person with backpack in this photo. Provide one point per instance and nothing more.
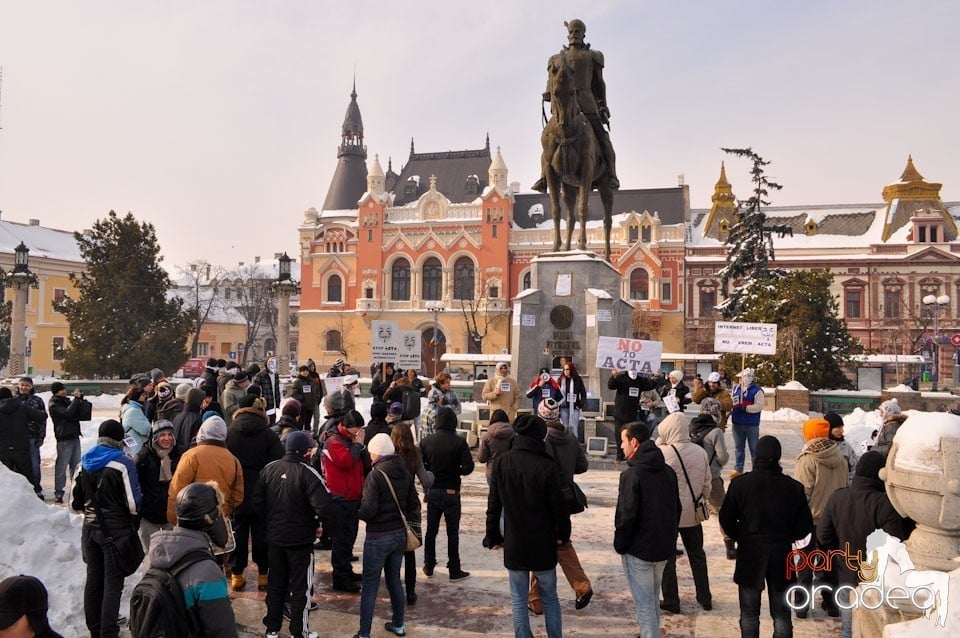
(184, 593)
(706, 431)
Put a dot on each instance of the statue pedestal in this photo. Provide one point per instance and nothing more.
(575, 299)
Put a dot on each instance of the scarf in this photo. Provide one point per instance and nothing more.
(166, 473)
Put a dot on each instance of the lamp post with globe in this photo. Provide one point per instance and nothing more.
(935, 306)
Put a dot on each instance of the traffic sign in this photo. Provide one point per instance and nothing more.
(955, 339)
(233, 355)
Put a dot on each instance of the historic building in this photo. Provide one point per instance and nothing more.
(54, 255)
(885, 257)
(444, 245)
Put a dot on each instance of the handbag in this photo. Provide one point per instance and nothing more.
(125, 551)
(571, 493)
(699, 506)
(85, 410)
(413, 539)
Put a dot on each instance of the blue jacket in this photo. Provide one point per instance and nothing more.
(108, 479)
(135, 424)
(739, 414)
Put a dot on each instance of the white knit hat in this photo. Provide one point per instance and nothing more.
(380, 445)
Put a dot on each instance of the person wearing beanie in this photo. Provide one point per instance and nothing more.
(394, 412)
(748, 403)
(187, 423)
(228, 373)
(208, 380)
(646, 521)
(501, 391)
(107, 491)
(309, 393)
(404, 392)
(254, 444)
(289, 420)
(23, 608)
(525, 490)
(715, 390)
(156, 462)
(386, 536)
(199, 535)
(209, 460)
(233, 392)
(161, 393)
(765, 512)
(563, 446)
(65, 414)
(378, 422)
(851, 514)
(822, 470)
(846, 450)
(290, 498)
(676, 388)
(169, 408)
(337, 369)
(706, 432)
(542, 387)
(891, 418)
(37, 426)
(447, 455)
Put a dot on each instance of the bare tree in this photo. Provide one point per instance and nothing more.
(254, 300)
(790, 342)
(478, 318)
(198, 284)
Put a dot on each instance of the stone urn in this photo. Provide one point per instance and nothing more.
(922, 477)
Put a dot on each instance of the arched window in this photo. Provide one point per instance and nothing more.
(333, 342)
(463, 287)
(639, 284)
(335, 289)
(400, 280)
(432, 280)
(527, 281)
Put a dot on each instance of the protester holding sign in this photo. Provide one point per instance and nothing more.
(502, 392)
(626, 403)
(747, 406)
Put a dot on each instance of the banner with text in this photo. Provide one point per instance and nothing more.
(642, 357)
(745, 338)
(408, 355)
(384, 341)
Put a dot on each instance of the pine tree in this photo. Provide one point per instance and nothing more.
(122, 322)
(749, 243)
(808, 322)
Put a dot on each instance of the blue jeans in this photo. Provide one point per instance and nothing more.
(520, 590)
(644, 578)
(748, 434)
(846, 613)
(440, 503)
(750, 613)
(35, 463)
(571, 420)
(382, 554)
(68, 455)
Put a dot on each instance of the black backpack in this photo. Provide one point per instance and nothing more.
(157, 606)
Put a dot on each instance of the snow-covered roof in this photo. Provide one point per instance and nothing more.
(43, 242)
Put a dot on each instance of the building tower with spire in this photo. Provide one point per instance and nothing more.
(350, 177)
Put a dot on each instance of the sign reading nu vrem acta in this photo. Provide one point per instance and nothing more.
(745, 338)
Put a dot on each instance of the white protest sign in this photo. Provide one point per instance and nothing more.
(616, 353)
(333, 384)
(384, 341)
(408, 354)
(745, 338)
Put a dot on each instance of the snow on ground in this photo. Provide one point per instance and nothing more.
(919, 437)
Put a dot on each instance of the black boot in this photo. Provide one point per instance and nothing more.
(829, 606)
(731, 548)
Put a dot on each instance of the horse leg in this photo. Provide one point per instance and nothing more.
(582, 204)
(553, 188)
(606, 196)
(570, 198)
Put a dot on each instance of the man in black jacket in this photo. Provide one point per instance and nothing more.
(15, 433)
(525, 488)
(290, 496)
(187, 423)
(156, 462)
(38, 428)
(764, 511)
(447, 455)
(646, 522)
(66, 428)
(626, 402)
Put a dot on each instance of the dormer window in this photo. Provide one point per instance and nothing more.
(724, 226)
(810, 226)
(472, 186)
(645, 234)
(410, 189)
(634, 234)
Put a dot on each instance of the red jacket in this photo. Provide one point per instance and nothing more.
(343, 467)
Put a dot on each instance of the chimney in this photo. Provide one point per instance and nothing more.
(34, 222)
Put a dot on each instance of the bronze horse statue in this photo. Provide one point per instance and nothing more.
(571, 159)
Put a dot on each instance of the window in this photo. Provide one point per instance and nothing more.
(633, 234)
(922, 238)
(368, 293)
(59, 296)
(369, 235)
(493, 230)
(59, 345)
(666, 291)
(892, 302)
(853, 303)
(933, 234)
(203, 349)
(432, 280)
(463, 287)
(333, 341)
(708, 299)
(526, 284)
(335, 289)
(639, 284)
(494, 292)
(400, 280)
(645, 234)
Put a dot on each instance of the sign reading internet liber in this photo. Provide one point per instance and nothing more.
(745, 338)
(616, 353)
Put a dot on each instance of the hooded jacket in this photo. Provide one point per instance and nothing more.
(648, 507)
(563, 446)
(135, 424)
(710, 436)
(891, 423)
(377, 508)
(203, 583)
(250, 439)
(291, 497)
(675, 444)
(446, 454)
(495, 441)
(208, 461)
(822, 470)
(15, 417)
(109, 481)
(343, 466)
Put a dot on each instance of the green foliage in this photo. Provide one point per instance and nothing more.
(808, 321)
(123, 322)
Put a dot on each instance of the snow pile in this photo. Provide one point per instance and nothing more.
(919, 440)
(792, 385)
(783, 414)
(901, 388)
(859, 426)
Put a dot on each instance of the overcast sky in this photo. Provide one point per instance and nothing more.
(218, 121)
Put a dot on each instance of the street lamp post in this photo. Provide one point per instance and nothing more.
(20, 279)
(436, 307)
(285, 287)
(935, 306)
